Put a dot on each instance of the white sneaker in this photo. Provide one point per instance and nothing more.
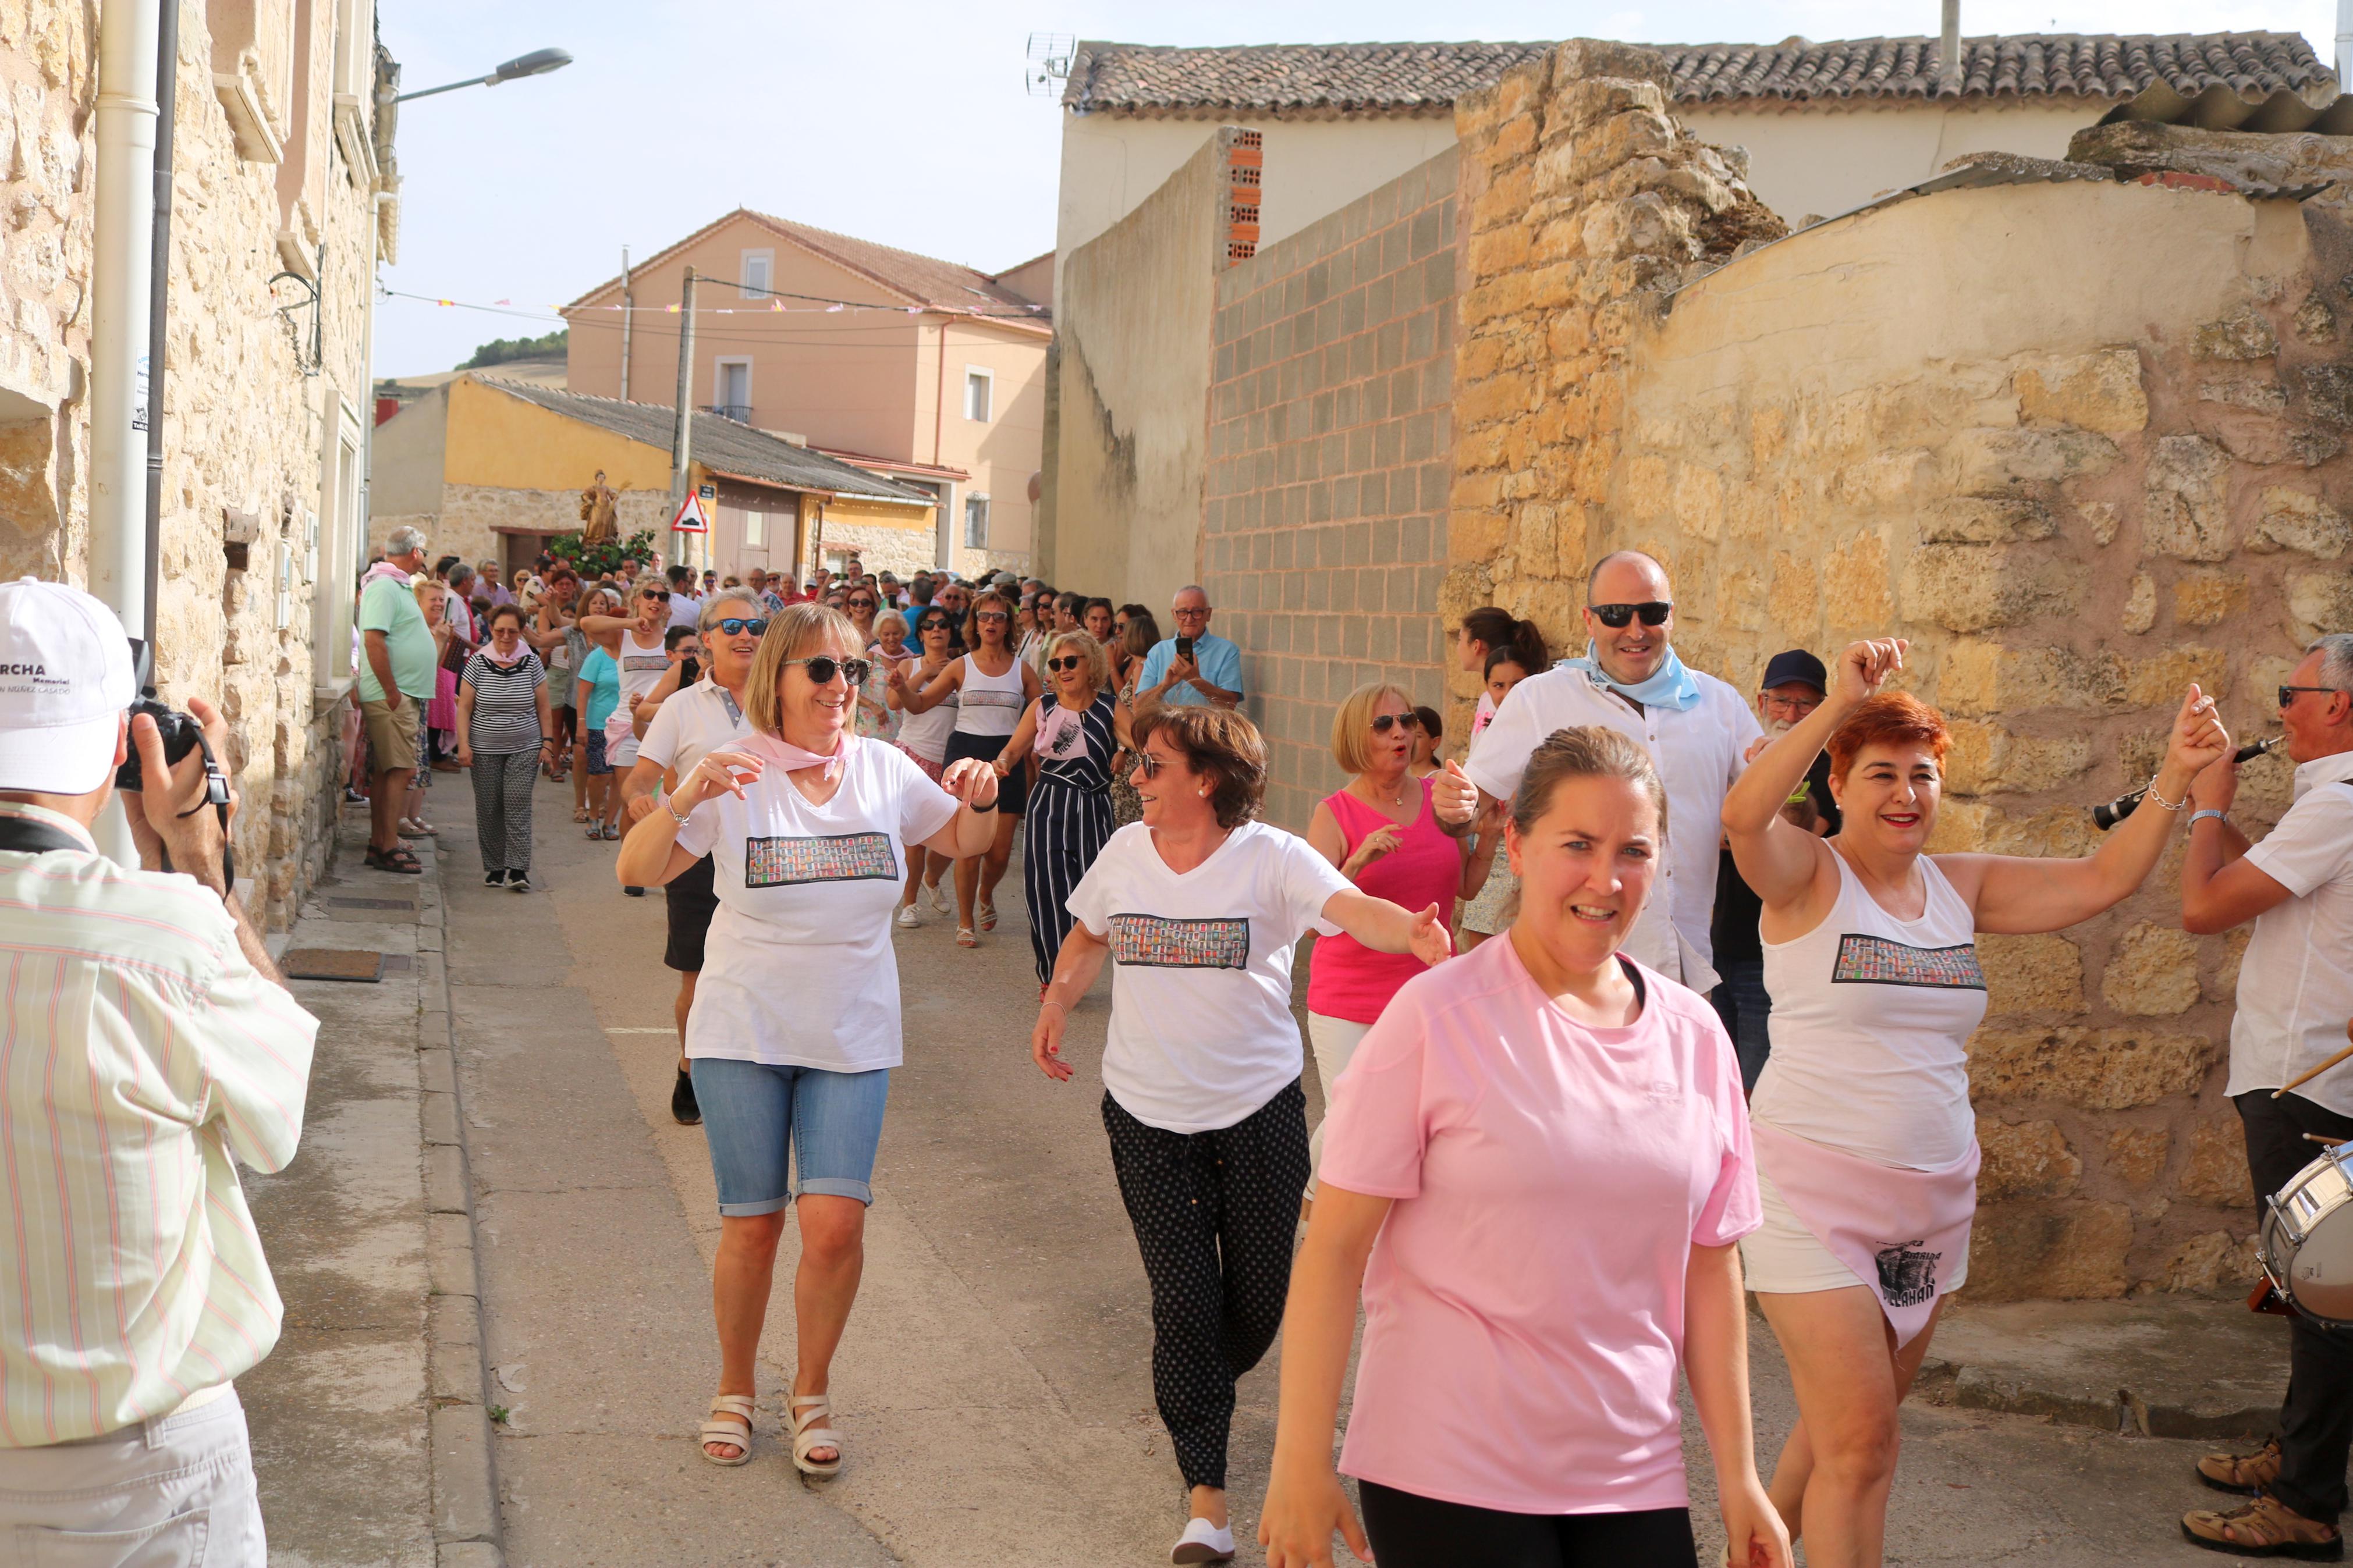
(940, 895)
(1203, 1542)
(908, 917)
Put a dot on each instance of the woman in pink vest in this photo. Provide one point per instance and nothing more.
(1380, 832)
(1866, 1147)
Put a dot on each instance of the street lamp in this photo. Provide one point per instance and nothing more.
(539, 62)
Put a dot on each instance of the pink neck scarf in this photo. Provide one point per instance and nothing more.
(491, 651)
(779, 753)
(382, 569)
(1905, 1233)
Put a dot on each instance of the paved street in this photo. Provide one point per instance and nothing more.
(994, 1388)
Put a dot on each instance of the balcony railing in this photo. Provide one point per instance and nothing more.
(739, 411)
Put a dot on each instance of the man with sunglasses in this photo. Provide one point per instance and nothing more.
(2294, 995)
(1696, 728)
(688, 722)
(1210, 678)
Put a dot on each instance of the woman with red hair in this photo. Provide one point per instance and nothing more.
(1866, 1147)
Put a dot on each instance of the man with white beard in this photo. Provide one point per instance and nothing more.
(1792, 688)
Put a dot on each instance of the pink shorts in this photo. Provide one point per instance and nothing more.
(932, 768)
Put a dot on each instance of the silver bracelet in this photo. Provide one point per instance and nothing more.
(2175, 806)
(674, 816)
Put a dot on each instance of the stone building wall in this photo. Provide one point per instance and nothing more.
(2073, 498)
(1323, 529)
(245, 426)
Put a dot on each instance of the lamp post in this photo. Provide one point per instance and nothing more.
(539, 62)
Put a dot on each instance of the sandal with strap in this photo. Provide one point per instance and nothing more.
(807, 1414)
(719, 1429)
(2247, 1473)
(987, 914)
(964, 937)
(2264, 1528)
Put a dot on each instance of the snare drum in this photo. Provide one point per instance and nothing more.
(2307, 1243)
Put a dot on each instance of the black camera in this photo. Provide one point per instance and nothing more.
(181, 732)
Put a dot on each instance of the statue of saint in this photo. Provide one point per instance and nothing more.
(598, 512)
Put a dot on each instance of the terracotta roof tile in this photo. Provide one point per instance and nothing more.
(1343, 80)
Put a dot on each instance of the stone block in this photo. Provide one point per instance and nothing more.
(2216, 1171)
(2097, 1069)
(2042, 973)
(2328, 392)
(1582, 57)
(2072, 1251)
(1988, 462)
(2158, 683)
(1854, 583)
(2210, 1262)
(2153, 972)
(2263, 396)
(1593, 100)
(1987, 519)
(2246, 335)
(2204, 598)
(2314, 322)
(2024, 1160)
(2139, 611)
(2136, 1155)
(1976, 678)
(1643, 225)
(2300, 521)
(2320, 601)
(2185, 512)
(2099, 391)
(2254, 161)
(1986, 759)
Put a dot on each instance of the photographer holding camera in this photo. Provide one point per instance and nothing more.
(147, 1040)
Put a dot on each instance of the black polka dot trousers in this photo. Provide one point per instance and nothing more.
(1215, 1215)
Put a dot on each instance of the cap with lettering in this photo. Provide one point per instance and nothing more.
(64, 683)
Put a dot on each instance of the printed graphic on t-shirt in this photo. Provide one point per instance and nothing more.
(1875, 961)
(1907, 1273)
(837, 858)
(638, 663)
(993, 697)
(1156, 943)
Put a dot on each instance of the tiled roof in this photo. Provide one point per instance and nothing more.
(721, 444)
(1339, 79)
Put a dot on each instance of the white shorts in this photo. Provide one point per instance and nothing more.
(1334, 1040)
(1782, 1257)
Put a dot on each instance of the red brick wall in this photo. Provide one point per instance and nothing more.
(1331, 409)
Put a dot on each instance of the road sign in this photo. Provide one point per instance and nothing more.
(690, 517)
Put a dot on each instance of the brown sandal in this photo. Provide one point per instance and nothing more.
(2246, 1474)
(2264, 1528)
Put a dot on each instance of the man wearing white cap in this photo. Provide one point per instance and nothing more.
(144, 1039)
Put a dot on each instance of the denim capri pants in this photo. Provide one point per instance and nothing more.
(765, 1122)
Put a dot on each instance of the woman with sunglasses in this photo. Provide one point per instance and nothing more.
(1200, 907)
(992, 687)
(796, 1025)
(1075, 732)
(1381, 833)
(925, 737)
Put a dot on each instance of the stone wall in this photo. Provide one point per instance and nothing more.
(1323, 532)
(244, 425)
(2074, 496)
(472, 516)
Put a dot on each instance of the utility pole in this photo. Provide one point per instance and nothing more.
(625, 314)
(682, 433)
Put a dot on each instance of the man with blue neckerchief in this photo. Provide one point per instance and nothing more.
(1696, 728)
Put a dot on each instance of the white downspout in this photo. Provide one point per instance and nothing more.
(120, 269)
(2344, 43)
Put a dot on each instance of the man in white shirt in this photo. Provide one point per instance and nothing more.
(2296, 994)
(1696, 728)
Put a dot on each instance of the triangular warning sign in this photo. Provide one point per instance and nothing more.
(689, 518)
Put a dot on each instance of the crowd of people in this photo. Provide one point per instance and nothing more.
(1649, 998)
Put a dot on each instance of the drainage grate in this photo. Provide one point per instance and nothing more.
(332, 963)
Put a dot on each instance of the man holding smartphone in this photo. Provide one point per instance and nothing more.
(1193, 669)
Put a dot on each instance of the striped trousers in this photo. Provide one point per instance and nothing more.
(1068, 828)
(502, 784)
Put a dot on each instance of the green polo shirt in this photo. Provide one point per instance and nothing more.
(389, 606)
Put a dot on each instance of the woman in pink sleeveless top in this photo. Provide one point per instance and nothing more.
(1380, 832)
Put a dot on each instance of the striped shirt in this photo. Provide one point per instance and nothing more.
(506, 711)
(138, 1052)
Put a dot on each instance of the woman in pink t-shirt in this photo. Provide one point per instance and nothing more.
(1541, 1151)
(1383, 835)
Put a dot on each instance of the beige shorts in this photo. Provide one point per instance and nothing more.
(392, 734)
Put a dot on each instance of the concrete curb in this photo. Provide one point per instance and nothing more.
(466, 1519)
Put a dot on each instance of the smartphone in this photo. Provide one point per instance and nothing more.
(1185, 649)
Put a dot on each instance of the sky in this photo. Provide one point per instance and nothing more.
(906, 123)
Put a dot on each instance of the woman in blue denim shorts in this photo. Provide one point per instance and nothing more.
(807, 826)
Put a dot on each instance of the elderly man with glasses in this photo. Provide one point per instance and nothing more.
(1696, 728)
(1195, 668)
(2294, 995)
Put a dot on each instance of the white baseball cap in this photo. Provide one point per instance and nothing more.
(64, 683)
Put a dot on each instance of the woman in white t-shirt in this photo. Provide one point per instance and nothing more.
(796, 1019)
(992, 688)
(1200, 907)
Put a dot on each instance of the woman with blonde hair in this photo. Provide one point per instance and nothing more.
(992, 688)
(1381, 832)
(796, 1023)
(1075, 731)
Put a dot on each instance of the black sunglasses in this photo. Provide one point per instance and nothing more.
(1150, 763)
(824, 667)
(931, 627)
(1068, 661)
(861, 603)
(1654, 613)
(2287, 693)
(653, 593)
(736, 625)
(1383, 722)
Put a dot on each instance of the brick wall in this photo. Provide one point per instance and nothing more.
(1323, 537)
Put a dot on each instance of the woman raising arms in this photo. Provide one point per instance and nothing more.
(1866, 1146)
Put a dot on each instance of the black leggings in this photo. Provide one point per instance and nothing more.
(1215, 1217)
(1411, 1532)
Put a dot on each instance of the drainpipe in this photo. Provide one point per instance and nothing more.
(2344, 43)
(1948, 64)
(122, 263)
(159, 299)
(627, 314)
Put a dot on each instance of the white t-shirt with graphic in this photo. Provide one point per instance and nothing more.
(799, 970)
(1201, 1029)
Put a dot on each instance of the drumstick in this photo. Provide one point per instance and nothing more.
(2308, 1078)
(2323, 1138)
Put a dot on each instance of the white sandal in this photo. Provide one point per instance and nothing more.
(718, 1431)
(807, 1414)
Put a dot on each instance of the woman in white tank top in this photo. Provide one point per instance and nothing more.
(990, 688)
(925, 737)
(1865, 1143)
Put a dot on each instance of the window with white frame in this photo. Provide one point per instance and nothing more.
(755, 531)
(342, 544)
(975, 521)
(759, 267)
(731, 389)
(979, 392)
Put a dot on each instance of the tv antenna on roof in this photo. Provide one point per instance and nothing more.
(1048, 63)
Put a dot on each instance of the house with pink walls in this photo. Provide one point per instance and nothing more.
(928, 372)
